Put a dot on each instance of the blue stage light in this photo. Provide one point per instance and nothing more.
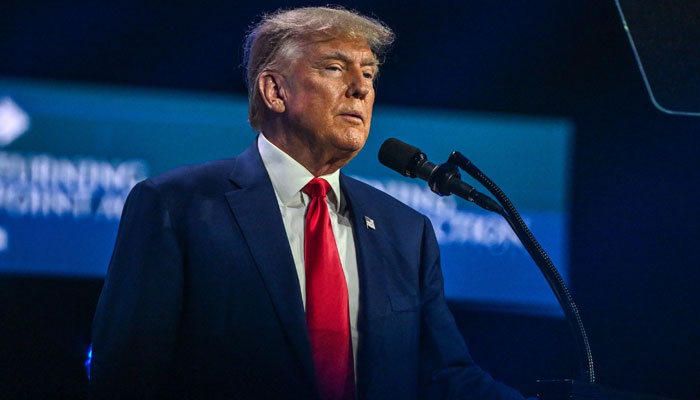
(88, 361)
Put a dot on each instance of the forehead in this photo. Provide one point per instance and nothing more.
(343, 49)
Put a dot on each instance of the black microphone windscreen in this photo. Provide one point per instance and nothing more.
(398, 155)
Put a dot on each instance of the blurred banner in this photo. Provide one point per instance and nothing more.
(69, 154)
(665, 38)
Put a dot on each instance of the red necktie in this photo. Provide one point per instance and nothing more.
(327, 314)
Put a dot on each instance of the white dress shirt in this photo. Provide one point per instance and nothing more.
(288, 178)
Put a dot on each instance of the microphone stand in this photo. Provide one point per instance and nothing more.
(442, 183)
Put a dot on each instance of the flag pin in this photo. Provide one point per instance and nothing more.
(370, 222)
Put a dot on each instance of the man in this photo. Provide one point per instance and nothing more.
(273, 275)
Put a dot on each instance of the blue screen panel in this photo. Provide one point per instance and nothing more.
(69, 154)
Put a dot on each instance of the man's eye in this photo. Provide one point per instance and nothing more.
(333, 68)
(369, 75)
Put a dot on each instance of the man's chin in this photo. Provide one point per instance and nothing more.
(345, 152)
(352, 141)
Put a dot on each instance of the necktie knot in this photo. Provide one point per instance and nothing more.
(317, 187)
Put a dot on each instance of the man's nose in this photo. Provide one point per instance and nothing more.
(359, 85)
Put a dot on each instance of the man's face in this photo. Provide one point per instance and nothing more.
(330, 95)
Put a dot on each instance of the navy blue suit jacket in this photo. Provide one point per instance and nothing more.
(202, 300)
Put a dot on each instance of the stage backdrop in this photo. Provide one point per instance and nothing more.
(69, 154)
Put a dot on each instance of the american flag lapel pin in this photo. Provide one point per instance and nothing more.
(369, 222)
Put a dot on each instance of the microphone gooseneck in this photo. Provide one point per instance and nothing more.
(444, 179)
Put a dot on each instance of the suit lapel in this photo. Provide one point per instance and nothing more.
(368, 247)
(254, 206)
(370, 257)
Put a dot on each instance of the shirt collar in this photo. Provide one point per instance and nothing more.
(288, 177)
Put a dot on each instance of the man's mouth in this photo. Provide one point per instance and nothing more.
(353, 116)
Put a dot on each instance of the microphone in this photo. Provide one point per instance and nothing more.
(443, 179)
(405, 159)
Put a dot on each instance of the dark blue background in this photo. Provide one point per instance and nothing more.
(634, 228)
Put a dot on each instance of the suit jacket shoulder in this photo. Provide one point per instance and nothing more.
(192, 179)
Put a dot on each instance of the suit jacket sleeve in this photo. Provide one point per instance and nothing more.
(135, 325)
(447, 371)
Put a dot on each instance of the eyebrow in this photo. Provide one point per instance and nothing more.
(342, 56)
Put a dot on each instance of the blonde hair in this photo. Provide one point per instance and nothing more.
(276, 39)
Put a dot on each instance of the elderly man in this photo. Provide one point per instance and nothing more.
(273, 275)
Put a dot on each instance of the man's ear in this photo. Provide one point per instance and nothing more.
(270, 85)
